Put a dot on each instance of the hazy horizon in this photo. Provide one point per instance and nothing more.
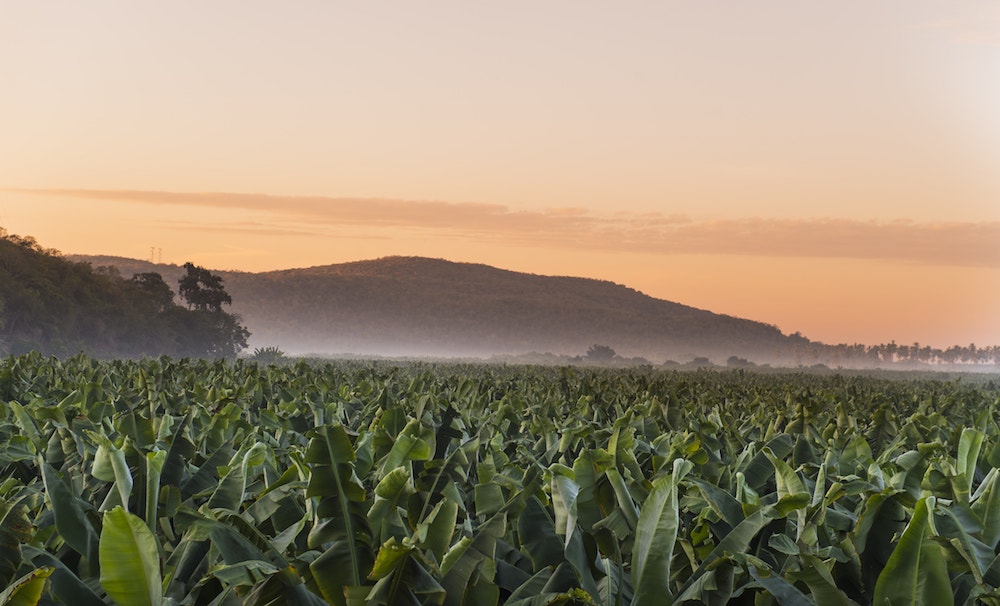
(829, 169)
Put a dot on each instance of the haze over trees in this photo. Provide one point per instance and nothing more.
(397, 306)
(411, 306)
(56, 306)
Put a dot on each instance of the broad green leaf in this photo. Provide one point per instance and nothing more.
(713, 587)
(969, 445)
(181, 449)
(488, 499)
(102, 468)
(954, 527)
(207, 476)
(625, 503)
(788, 482)
(435, 531)
(64, 585)
(721, 501)
(467, 558)
(481, 590)
(564, 495)
(736, 541)
(390, 493)
(534, 586)
(335, 569)
(987, 507)
(231, 490)
(917, 572)
(389, 557)
(247, 573)
(154, 468)
(281, 588)
(758, 471)
(538, 537)
(588, 470)
(130, 564)
(27, 424)
(15, 528)
(822, 587)
(349, 558)
(784, 592)
(655, 537)
(411, 445)
(747, 497)
(27, 590)
(410, 583)
(109, 455)
(580, 558)
(71, 520)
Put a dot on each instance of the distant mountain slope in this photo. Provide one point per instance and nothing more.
(420, 306)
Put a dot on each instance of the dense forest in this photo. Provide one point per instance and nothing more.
(56, 306)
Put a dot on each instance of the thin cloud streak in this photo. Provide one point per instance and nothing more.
(970, 244)
(247, 228)
(260, 229)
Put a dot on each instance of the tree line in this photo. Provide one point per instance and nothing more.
(858, 354)
(55, 306)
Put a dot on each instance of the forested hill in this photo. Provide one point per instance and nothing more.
(419, 306)
(56, 306)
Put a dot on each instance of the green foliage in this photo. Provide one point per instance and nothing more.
(202, 290)
(600, 353)
(130, 563)
(228, 482)
(267, 355)
(54, 306)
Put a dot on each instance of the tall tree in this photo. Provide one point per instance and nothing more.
(211, 331)
(156, 288)
(203, 290)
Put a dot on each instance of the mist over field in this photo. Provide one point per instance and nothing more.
(412, 307)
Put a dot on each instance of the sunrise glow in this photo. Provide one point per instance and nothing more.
(829, 168)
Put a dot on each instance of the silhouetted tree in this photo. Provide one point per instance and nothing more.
(55, 306)
(156, 288)
(600, 353)
(212, 332)
(738, 362)
(202, 290)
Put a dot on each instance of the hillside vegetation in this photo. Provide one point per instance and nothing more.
(419, 306)
(56, 306)
(412, 306)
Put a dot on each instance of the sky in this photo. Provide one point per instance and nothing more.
(832, 168)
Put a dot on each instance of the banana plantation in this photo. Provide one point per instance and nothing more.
(204, 483)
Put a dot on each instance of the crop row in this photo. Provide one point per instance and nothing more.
(213, 483)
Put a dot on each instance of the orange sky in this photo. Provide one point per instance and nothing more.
(831, 168)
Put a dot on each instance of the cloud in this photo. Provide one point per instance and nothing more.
(944, 243)
(250, 228)
(247, 228)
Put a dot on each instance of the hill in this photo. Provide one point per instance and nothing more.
(420, 306)
(56, 306)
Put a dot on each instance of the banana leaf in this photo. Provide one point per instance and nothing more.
(130, 564)
(27, 590)
(917, 571)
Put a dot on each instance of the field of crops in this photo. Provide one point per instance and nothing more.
(192, 482)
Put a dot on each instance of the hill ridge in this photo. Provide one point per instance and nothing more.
(411, 305)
